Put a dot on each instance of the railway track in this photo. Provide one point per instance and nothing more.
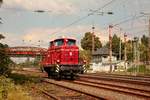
(117, 79)
(139, 94)
(66, 84)
(116, 88)
(102, 75)
(91, 84)
(47, 94)
(145, 78)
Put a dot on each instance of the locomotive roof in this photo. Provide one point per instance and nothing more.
(63, 38)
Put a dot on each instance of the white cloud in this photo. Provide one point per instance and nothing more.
(56, 6)
(32, 36)
(12, 39)
(47, 34)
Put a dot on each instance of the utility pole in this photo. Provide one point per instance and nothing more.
(149, 32)
(136, 52)
(93, 41)
(149, 42)
(125, 51)
(1, 1)
(110, 47)
(120, 46)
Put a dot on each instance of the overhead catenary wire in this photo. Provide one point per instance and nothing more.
(84, 17)
(140, 31)
(130, 18)
(136, 27)
(127, 20)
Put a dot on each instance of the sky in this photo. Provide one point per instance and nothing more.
(22, 26)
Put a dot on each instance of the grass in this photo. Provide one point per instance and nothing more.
(18, 93)
(139, 69)
(17, 86)
(10, 91)
(23, 79)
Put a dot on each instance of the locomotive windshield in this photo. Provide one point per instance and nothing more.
(71, 42)
(59, 42)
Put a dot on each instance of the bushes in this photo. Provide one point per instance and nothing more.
(9, 91)
(5, 85)
(4, 61)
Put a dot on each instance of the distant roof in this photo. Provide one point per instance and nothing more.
(102, 51)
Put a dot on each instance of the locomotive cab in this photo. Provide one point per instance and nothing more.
(62, 58)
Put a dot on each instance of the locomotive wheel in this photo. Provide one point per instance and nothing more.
(58, 76)
(47, 71)
(49, 75)
(82, 72)
(72, 76)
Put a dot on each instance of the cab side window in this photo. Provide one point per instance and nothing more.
(71, 42)
(59, 42)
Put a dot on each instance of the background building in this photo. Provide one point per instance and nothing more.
(100, 60)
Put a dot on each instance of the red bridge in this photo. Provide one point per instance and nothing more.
(26, 51)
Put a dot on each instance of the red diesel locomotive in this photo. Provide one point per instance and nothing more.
(62, 58)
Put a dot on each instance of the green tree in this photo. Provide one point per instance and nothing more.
(144, 48)
(4, 59)
(85, 55)
(129, 48)
(144, 40)
(86, 42)
(1, 36)
(116, 45)
(143, 52)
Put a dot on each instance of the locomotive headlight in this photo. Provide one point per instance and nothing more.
(58, 61)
